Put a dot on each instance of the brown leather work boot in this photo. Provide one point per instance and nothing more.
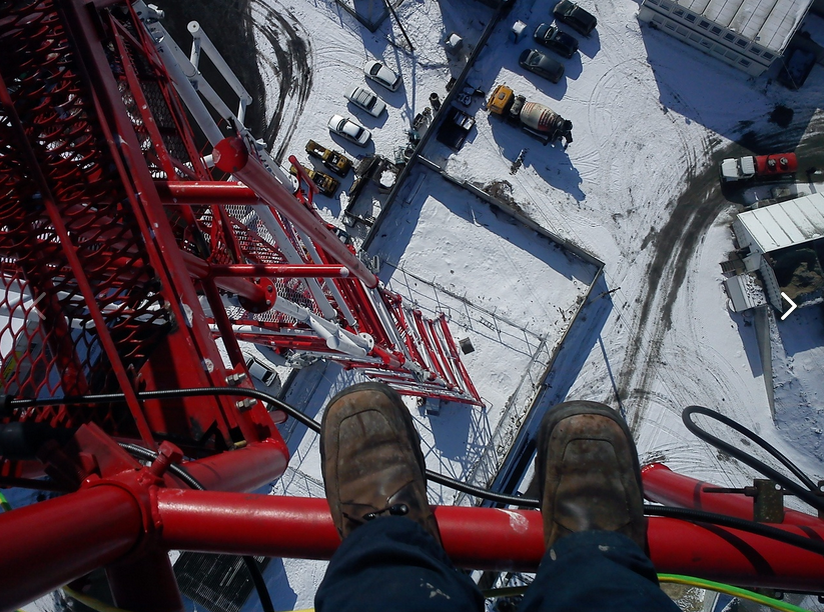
(588, 473)
(371, 459)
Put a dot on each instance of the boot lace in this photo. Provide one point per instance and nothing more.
(393, 510)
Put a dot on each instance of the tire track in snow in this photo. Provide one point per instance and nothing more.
(675, 244)
(293, 66)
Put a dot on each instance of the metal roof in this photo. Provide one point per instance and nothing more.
(744, 293)
(769, 23)
(786, 224)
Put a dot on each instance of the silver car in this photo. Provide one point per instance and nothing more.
(382, 75)
(365, 99)
(350, 130)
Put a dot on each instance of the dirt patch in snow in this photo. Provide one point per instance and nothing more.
(799, 271)
(293, 52)
(674, 244)
(228, 25)
(231, 28)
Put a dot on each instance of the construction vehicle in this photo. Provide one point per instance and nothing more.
(336, 162)
(325, 183)
(535, 119)
(758, 167)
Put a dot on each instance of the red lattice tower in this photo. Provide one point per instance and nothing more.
(125, 261)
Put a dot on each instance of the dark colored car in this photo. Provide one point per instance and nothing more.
(575, 17)
(555, 40)
(542, 65)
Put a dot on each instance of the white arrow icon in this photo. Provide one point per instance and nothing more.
(793, 306)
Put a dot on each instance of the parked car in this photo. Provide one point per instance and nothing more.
(365, 99)
(555, 40)
(382, 75)
(541, 64)
(261, 371)
(350, 130)
(575, 17)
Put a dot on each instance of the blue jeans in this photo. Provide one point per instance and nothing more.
(392, 565)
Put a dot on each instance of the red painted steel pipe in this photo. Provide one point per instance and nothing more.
(735, 557)
(211, 193)
(200, 269)
(280, 270)
(231, 156)
(145, 584)
(302, 528)
(666, 487)
(67, 537)
(242, 470)
(51, 543)
(479, 538)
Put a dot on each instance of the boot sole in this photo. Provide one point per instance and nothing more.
(579, 408)
(403, 420)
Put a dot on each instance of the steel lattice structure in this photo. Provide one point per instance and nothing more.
(127, 262)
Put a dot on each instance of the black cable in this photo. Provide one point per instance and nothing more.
(141, 452)
(722, 520)
(251, 565)
(808, 494)
(500, 498)
(104, 398)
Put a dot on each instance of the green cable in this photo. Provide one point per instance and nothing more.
(686, 580)
(4, 503)
(771, 602)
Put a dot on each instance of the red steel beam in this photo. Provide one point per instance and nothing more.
(242, 470)
(234, 277)
(736, 557)
(512, 539)
(456, 359)
(200, 269)
(280, 270)
(67, 537)
(664, 486)
(231, 156)
(206, 193)
(49, 544)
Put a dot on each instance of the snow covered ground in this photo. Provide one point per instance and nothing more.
(637, 188)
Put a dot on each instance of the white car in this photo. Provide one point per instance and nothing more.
(350, 130)
(365, 99)
(382, 75)
(262, 372)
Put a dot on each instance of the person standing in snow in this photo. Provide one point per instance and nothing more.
(391, 557)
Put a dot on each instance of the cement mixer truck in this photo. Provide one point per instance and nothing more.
(535, 119)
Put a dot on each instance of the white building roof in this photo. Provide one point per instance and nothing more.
(785, 224)
(770, 23)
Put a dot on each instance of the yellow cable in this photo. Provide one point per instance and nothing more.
(91, 602)
(770, 602)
